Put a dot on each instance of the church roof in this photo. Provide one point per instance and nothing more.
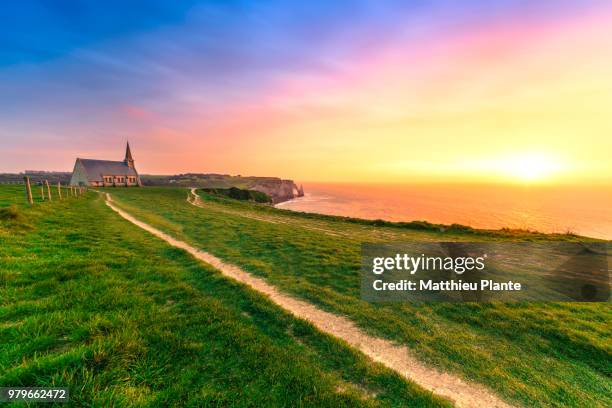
(95, 169)
(128, 152)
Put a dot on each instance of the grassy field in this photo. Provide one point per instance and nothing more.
(89, 301)
(548, 354)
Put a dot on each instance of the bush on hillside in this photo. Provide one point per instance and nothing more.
(240, 194)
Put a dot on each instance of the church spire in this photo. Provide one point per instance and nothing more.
(129, 160)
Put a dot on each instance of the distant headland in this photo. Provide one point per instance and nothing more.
(278, 189)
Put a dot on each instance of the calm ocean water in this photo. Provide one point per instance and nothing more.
(582, 210)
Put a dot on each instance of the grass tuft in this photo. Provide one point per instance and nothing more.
(9, 213)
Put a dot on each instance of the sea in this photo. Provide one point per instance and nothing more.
(583, 210)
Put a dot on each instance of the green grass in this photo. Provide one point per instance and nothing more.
(536, 354)
(89, 301)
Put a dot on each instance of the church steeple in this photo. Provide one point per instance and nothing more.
(128, 156)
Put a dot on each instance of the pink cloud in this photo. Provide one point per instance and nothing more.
(137, 112)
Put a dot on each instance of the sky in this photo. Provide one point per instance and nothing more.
(363, 90)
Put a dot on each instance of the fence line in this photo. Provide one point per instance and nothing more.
(46, 192)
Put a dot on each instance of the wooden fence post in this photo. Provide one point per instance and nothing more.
(28, 190)
(42, 192)
(59, 190)
(48, 189)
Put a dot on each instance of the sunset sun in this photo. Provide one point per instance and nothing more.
(530, 167)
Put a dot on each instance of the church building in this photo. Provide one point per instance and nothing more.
(106, 173)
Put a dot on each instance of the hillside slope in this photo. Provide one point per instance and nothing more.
(89, 301)
(505, 346)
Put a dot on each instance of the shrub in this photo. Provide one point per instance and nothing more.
(240, 194)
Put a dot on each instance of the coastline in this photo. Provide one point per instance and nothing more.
(533, 210)
(285, 202)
